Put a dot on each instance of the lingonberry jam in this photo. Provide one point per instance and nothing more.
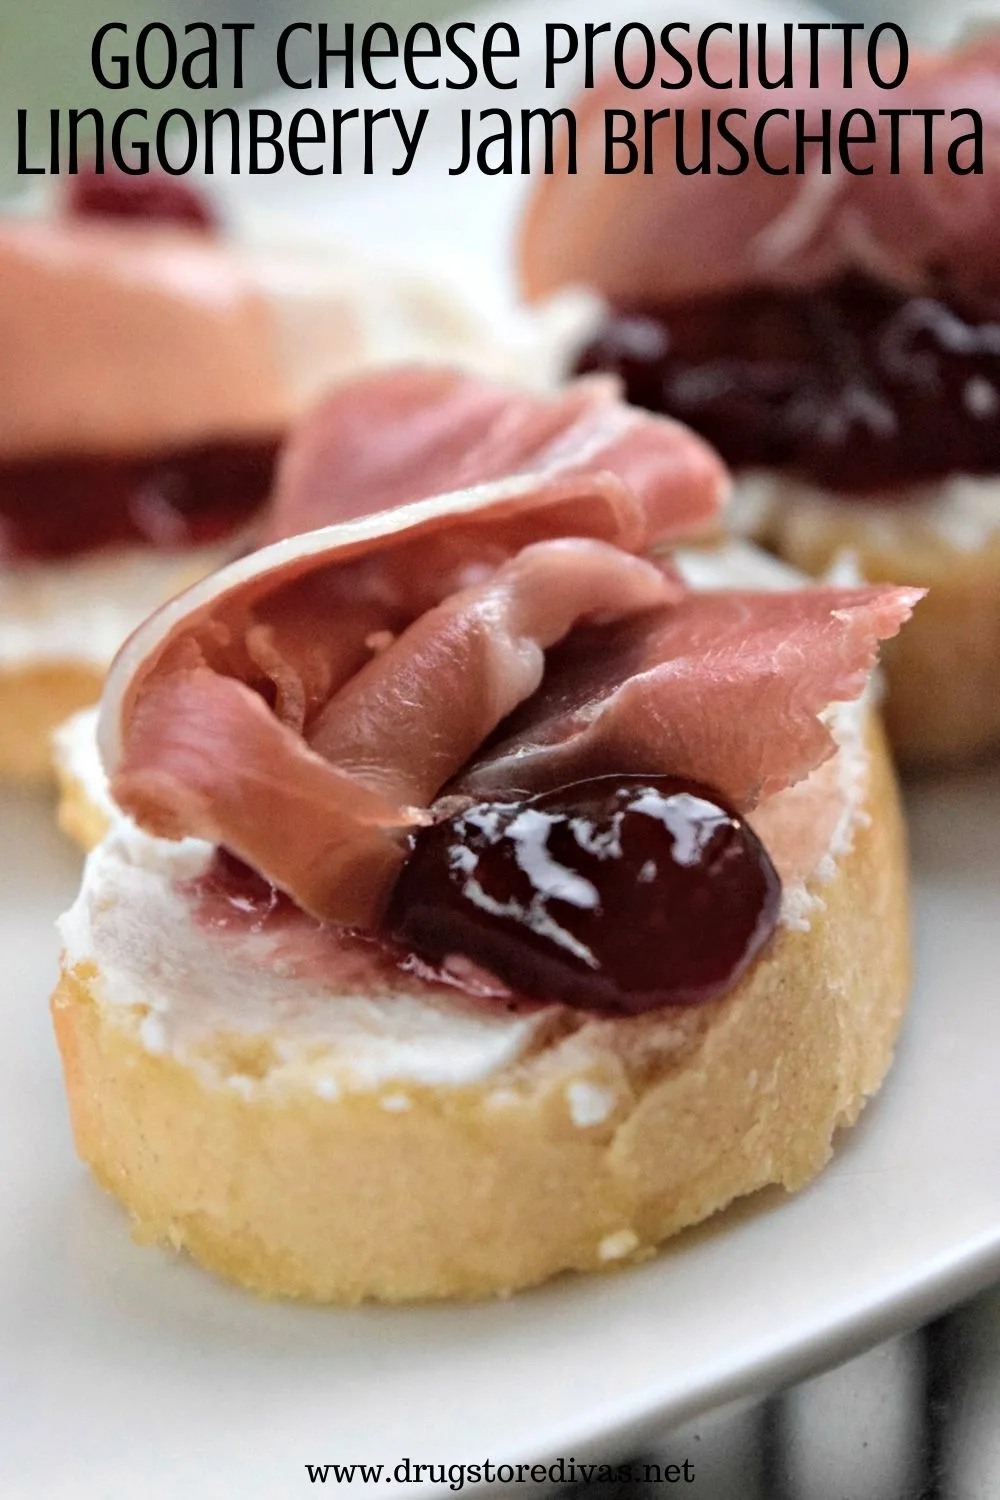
(619, 895)
(854, 386)
(59, 507)
(153, 198)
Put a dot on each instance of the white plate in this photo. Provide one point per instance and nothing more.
(126, 1371)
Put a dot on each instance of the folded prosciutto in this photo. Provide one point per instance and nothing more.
(724, 688)
(410, 433)
(311, 706)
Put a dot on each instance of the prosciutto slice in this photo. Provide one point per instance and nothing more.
(609, 473)
(440, 431)
(322, 815)
(659, 238)
(725, 688)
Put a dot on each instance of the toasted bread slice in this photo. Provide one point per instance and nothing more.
(589, 1147)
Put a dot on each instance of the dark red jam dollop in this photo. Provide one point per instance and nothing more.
(618, 895)
(854, 386)
(153, 198)
(59, 507)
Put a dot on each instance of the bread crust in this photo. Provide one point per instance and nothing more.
(943, 670)
(421, 1192)
(34, 700)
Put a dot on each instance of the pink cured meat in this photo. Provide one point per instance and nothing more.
(402, 435)
(724, 688)
(660, 238)
(322, 814)
(296, 618)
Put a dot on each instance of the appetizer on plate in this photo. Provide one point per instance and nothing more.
(836, 336)
(150, 367)
(486, 899)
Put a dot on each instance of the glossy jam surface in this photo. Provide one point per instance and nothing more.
(61, 507)
(154, 198)
(853, 386)
(617, 895)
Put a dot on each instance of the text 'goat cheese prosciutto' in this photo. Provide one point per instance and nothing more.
(314, 706)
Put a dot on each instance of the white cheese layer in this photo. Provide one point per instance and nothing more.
(79, 610)
(962, 511)
(134, 920)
